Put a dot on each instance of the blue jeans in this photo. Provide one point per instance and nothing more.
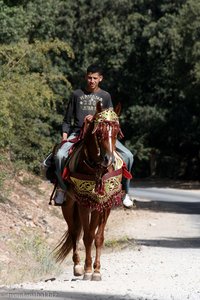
(60, 159)
(63, 152)
(127, 157)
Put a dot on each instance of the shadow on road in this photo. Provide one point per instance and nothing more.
(172, 207)
(193, 242)
(56, 295)
(165, 183)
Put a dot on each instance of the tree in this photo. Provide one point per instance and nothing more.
(150, 52)
(13, 23)
(31, 98)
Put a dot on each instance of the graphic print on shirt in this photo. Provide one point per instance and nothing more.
(88, 102)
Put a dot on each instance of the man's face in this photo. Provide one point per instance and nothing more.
(93, 80)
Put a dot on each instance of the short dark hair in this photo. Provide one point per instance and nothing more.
(95, 69)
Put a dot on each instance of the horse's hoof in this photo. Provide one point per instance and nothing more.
(78, 270)
(96, 276)
(87, 276)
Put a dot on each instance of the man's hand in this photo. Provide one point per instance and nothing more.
(88, 118)
(64, 137)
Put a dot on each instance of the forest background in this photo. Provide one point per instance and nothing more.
(150, 52)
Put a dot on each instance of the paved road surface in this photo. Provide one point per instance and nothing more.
(166, 194)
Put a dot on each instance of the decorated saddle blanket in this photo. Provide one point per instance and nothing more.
(97, 193)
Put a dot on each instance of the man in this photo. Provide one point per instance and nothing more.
(83, 105)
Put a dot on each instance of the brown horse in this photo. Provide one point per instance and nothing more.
(93, 177)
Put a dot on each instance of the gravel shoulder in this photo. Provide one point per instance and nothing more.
(157, 259)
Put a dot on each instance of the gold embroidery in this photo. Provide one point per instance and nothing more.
(87, 187)
(107, 115)
(112, 185)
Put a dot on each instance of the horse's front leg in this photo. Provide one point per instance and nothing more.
(78, 268)
(71, 215)
(99, 239)
(89, 227)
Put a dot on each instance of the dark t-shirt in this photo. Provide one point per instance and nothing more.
(81, 104)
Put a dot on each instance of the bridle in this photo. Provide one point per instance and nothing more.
(105, 126)
(97, 185)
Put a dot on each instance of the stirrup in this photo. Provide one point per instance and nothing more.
(52, 194)
(59, 197)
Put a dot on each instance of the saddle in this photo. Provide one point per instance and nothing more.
(48, 165)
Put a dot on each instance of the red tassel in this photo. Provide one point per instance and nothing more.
(125, 172)
(65, 174)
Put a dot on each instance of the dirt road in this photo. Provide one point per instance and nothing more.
(157, 258)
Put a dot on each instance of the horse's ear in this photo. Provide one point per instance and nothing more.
(99, 107)
(118, 108)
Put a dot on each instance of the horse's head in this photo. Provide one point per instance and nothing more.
(101, 138)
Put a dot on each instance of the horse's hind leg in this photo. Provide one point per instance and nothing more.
(99, 239)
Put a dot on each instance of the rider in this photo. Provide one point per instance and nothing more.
(82, 105)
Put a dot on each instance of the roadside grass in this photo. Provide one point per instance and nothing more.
(5, 174)
(4, 190)
(119, 244)
(31, 259)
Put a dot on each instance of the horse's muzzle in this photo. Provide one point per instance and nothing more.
(106, 160)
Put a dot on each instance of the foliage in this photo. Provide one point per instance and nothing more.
(150, 52)
(37, 262)
(31, 102)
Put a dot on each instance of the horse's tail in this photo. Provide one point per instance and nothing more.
(71, 236)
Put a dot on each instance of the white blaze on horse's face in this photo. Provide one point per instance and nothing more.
(110, 137)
